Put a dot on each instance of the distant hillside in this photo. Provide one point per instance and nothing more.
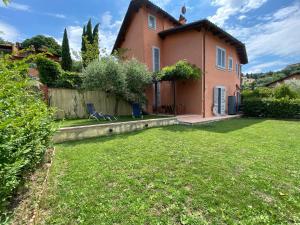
(262, 79)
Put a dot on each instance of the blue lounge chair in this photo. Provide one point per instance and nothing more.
(137, 111)
(95, 115)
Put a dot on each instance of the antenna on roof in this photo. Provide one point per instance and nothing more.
(183, 10)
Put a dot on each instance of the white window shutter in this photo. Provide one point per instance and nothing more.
(215, 107)
(223, 101)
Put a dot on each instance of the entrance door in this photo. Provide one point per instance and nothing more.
(219, 100)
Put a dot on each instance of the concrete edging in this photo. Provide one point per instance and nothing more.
(98, 130)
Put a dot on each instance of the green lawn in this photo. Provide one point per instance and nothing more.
(82, 122)
(241, 171)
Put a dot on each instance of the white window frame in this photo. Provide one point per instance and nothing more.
(149, 17)
(230, 59)
(153, 60)
(237, 69)
(224, 50)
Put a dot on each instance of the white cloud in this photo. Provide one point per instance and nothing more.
(242, 17)
(228, 8)
(8, 32)
(15, 6)
(57, 15)
(277, 36)
(107, 23)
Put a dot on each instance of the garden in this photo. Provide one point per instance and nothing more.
(241, 171)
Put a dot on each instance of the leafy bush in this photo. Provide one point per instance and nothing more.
(261, 92)
(294, 85)
(180, 71)
(137, 77)
(125, 79)
(68, 80)
(52, 75)
(284, 91)
(49, 71)
(41, 41)
(25, 127)
(271, 107)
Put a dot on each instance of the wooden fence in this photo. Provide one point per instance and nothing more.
(71, 103)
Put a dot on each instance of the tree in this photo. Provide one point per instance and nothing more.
(108, 75)
(6, 1)
(137, 79)
(66, 62)
(41, 41)
(90, 43)
(96, 40)
(89, 32)
(83, 47)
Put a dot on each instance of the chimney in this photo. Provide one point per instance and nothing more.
(182, 19)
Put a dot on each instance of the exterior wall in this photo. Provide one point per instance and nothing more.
(185, 46)
(219, 77)
(70, 103)
(293, 77)
(134, 40)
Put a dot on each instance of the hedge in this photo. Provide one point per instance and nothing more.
(271, 107)
(25, 128)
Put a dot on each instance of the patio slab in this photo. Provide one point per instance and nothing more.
(198, 119)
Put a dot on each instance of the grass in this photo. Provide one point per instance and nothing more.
(83, 122)
(241, 171)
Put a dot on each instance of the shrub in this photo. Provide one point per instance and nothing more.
(25, 127)
(49, 71)
(272, 107)
(68, 80)
(137, 78)
(261, 92)
(180, 71)
(284, 91)
(294, 85)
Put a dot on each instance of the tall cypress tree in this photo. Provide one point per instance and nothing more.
(83, 47)
(96, 41)
(89, 31)
(66, 62)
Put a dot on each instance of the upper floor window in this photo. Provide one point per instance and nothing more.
(151, 21)
(221, 58)
(156, 59)
(237, 69)
(230, 64)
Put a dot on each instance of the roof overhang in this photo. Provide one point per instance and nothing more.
(133, 8)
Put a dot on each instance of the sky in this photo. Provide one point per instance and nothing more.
(270, 29)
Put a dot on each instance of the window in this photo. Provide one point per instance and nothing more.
(151, 21)
(221, 57)
(237, 69)
(156, 59)
(230, 63)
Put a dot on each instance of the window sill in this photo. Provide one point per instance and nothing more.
(221, 68)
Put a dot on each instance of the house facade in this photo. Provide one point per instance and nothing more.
(291, 77)
(157, 39)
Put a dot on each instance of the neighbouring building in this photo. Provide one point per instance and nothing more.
(294, 76)
(157, 39)
(17, 52)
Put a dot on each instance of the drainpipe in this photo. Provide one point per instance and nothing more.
(203, 72)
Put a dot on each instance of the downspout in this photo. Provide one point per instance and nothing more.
(203, 72)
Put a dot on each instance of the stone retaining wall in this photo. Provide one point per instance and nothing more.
(83, 132)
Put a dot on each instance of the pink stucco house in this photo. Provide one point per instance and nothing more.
(157, 39)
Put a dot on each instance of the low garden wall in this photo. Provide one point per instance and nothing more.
(71, 103)
(83, 132)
